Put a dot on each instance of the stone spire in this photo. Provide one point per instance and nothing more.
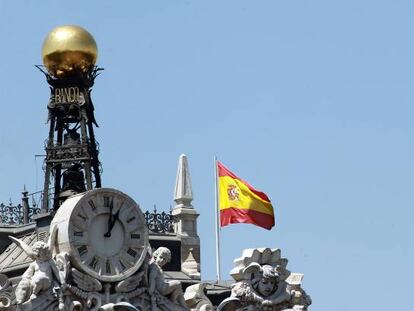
(183, 194)
(185, 221)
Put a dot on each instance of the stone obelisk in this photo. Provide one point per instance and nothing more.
(185, 217)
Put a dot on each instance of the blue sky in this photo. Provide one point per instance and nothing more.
(309, 101)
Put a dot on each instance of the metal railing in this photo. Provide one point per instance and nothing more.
(11, 214)
(159, 222)
(15, 215)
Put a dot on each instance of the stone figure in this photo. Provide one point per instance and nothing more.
(156, 280)
(196, 299)
(264, 283)
(262, 288)
(41, 274)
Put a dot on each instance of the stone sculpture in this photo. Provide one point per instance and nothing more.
(157, 283)
(196, 299)
(51, 283)
(103, 265)
(264, 283)
(121, 306)
(109, 266)
(42, 278)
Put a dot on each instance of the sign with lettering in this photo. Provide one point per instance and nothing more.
(68, 95)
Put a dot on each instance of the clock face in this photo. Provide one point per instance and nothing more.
(108, 234)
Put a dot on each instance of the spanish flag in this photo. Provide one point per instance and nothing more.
(241, 203)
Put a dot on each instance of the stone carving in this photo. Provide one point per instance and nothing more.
(91, 294)
(69, 273)
(41, 283)
(190, 266)
(196, 299)
(158, 285)
(264, 283)
(121, 306)
(51, 283)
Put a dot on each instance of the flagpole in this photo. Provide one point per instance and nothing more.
(216, 211)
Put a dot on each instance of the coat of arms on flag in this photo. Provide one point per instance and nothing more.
(239, 202)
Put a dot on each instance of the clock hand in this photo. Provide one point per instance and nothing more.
(110, 222)
(116, 215)
(112, 219)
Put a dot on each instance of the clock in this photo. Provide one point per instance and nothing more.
(104, 232)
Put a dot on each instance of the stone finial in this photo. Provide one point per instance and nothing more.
(25, 204)
(25, 192)
(190, 266)
(183, 194)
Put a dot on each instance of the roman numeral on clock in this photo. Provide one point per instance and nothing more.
(125, 260)
(122, 265)
(94, 262)
(135, 236)
(82, 250)
(92, 205)
(82, 216)
(108, 267)
(131, 252)
(108, 201)
(131, 219)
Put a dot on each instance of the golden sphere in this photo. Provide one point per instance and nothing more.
(68, 50)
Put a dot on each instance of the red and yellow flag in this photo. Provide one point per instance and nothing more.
(241, 203)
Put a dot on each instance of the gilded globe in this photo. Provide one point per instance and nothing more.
(69, 49)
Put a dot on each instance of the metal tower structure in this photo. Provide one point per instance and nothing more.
(72, 164)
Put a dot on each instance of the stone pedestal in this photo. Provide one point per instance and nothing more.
(185, 226)
(185, 223)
